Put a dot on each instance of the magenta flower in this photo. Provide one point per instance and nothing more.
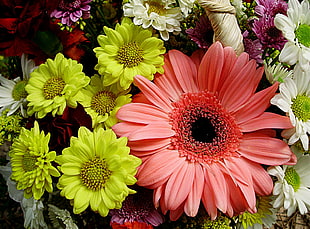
(268, 34)
(270, 7)
(70, 11)
(253, 48)
(202, 34)
(138, 208)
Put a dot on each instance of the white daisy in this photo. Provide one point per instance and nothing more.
(276, 72)
(161, 15)
(294, 99)
(296, 29)
(12, 92)
(186, 6)
(292, 187)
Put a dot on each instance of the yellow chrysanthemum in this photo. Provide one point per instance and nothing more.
(265, 214)
(31, 162)
(54, 85)
(96, 170)
(127, 51)
(102, 103)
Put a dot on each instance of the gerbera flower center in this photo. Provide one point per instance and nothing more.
(19, 91)
(301, 107)
(94, 174)
(303, 34)
(103, 102)
(69, 5)
(29, 162)
(156, 7)
(292, 178)
(53, 87)
(205, 132)
(130, 55)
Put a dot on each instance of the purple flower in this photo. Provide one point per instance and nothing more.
(202, 34)
(70, 11)
(139, 208)
(268, 34)
(270, 7)
(253, 48)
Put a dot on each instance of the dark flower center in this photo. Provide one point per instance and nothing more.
(273, 32)
(204, 131)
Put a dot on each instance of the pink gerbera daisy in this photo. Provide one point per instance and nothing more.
(202, 133)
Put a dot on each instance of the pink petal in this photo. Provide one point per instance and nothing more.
(176, 214)
(263, 184)
(237, 202)
(179, 185)
(123, 129)
(256, 105)
(140, 98)
(210, 68)
(242, 175)
(232, 67)
(152, 93)
(157, 195)
(196, 57)
(192, 203)
(168, 84)
(242, 87)
(155, 130)
(141, 113)
(208, 200)
(218, 186)
(149, 144)
(184, 69)
(264, 150)
(143, 154)
(265, 121)
(157, 169)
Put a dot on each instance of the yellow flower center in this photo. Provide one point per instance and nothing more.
(292, 178)
(301, 107)
(303, 34)
(53, 87)
(94, 174)
(103, 102)
(19, 91)
(130, 55)
(156, 7)
(29, 162)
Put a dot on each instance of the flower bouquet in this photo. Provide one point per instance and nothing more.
(155, 113)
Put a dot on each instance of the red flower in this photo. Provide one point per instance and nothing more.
(63, 127)
(19, 22)
(131, 225)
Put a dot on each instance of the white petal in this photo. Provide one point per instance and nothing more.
(289, 53)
